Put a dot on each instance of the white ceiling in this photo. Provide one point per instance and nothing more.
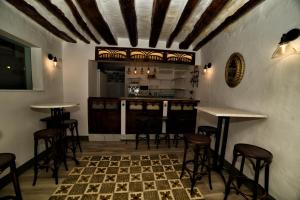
(111, 12)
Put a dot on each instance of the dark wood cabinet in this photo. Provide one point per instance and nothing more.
(182, 116)
(104, 115)
(143, 115)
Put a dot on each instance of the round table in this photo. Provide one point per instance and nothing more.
(56, 108)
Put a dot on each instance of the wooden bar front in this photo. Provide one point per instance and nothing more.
(104, 115)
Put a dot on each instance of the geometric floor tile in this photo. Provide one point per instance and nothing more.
(127, 177)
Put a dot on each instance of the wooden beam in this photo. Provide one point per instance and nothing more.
(31, 12)
(91, 11)
(61, 16)
(187, 11)
(80, 21)
(159, 11)
(206, 18)
(229, 20)
(129, 16)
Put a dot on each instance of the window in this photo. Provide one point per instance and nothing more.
(15, 65)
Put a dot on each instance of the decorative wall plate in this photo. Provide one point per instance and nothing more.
(235, 68)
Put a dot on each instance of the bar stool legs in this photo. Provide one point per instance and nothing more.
(77, 137)
(201, 146)
(158, 138)
(186, 146)
(15, 180)
(259, 159)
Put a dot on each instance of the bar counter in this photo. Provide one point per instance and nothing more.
(121, 115)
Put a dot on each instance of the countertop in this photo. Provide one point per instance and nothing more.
(157, 99)
(230, 112)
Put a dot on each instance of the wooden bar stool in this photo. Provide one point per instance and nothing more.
(180, 130)
(54, 151)
(207, 130)
(72, 126)
(201, 146)
(7, 160)
(259, 159)
(142, 134)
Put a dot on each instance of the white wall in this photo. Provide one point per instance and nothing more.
(75, 74)
(269, 86)
(17, 120)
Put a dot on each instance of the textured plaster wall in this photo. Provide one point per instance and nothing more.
(269, 86)
(17, 120)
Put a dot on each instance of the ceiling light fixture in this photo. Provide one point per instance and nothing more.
(285, 48)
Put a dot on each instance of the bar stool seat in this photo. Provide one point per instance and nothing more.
(255, 152)
(259, 158)
(201, 146)
(8, 160)
(198, 140)
(207, 130)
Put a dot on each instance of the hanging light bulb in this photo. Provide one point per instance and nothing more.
(135, 71)
(128, 70)
(148, 70)
(142, 71)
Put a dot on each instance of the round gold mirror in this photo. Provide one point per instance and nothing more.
(235, 68)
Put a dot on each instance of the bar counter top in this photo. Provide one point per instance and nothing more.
(157, 99)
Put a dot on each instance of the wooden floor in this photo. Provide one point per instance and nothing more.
(45, 184)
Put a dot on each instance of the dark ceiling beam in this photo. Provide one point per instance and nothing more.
(129, 16)
(61, 16)
(229, 20)
(187, 11)
(80, 21)
(206, 18)
(91, 11)
(159, 11)
(31, 12)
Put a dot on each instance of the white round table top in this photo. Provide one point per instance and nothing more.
(55, 105)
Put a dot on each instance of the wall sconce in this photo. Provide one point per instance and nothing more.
(206, 67)
(285, 48)
(53, 58)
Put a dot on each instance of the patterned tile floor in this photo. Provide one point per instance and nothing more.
(132, 177)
